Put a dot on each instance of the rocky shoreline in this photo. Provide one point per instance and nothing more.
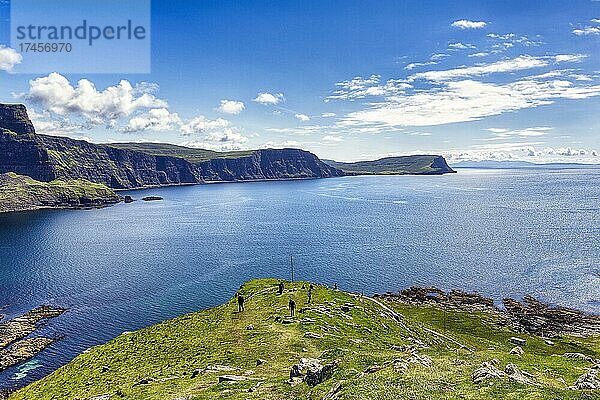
(529, 316)
(16, 345)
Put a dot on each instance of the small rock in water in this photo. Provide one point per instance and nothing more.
(128, 199)
(152, 198)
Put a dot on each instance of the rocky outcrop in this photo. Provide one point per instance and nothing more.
(20, 149)
(533, 316)
(529, 316)
(14, 346)
(434, 296)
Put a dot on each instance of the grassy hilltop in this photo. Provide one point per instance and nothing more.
(369, 348)
(20, 193)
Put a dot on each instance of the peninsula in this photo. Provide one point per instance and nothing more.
(421, 343)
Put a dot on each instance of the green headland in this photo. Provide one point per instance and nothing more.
(339, 346)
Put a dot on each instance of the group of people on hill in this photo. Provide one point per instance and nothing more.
(280, 288)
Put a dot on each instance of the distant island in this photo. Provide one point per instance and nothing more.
(70, 166)
(492, 164)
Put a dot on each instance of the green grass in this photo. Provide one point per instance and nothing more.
(19, 192)
(358, 339)
(187, 153)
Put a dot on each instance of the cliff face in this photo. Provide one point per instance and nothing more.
(46, 158)
(267, 164)
(20, 149)
(116, 168)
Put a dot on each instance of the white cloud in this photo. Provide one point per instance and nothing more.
(57, 95)
(419, 64)
(466, 24)
(439, 56)
(203, 125)
(516, 64)
(302, 117)
(231, 107)
(9, 58)
(280, 145)
(461, 46)
(464, 101)
(501, 133)
(158, 119)
(482, 54)
(570, 57)
(45, 124)
(358, 88)
(332, 139)
(328, 115)
(269, 98)
(588, 30)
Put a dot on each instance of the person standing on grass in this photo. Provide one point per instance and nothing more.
(240, 299)
(310, 289)
(280, 288)
(292, 305)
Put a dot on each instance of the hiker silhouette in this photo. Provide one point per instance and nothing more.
(292, 305)
(240, 299)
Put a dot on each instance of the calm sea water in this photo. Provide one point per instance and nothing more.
(502, 233)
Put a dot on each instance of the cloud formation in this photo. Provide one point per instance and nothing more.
(231, 107)
(57, 95)
(302, 117)
(269, 98)
(9, 58)
(466, 24)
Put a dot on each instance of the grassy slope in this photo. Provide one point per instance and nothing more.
(189, 154)
(19, 192)
(417, 164)
(170, 351)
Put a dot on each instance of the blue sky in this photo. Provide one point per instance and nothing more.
(348, 80)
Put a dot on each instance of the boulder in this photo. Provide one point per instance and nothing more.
(517, 350)
(515, 374)
(587, 381)
(128, 199)
(312, 371)
(518, 341)
(486, 371)
(232, 378)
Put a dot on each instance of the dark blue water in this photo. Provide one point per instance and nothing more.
(502, 233)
